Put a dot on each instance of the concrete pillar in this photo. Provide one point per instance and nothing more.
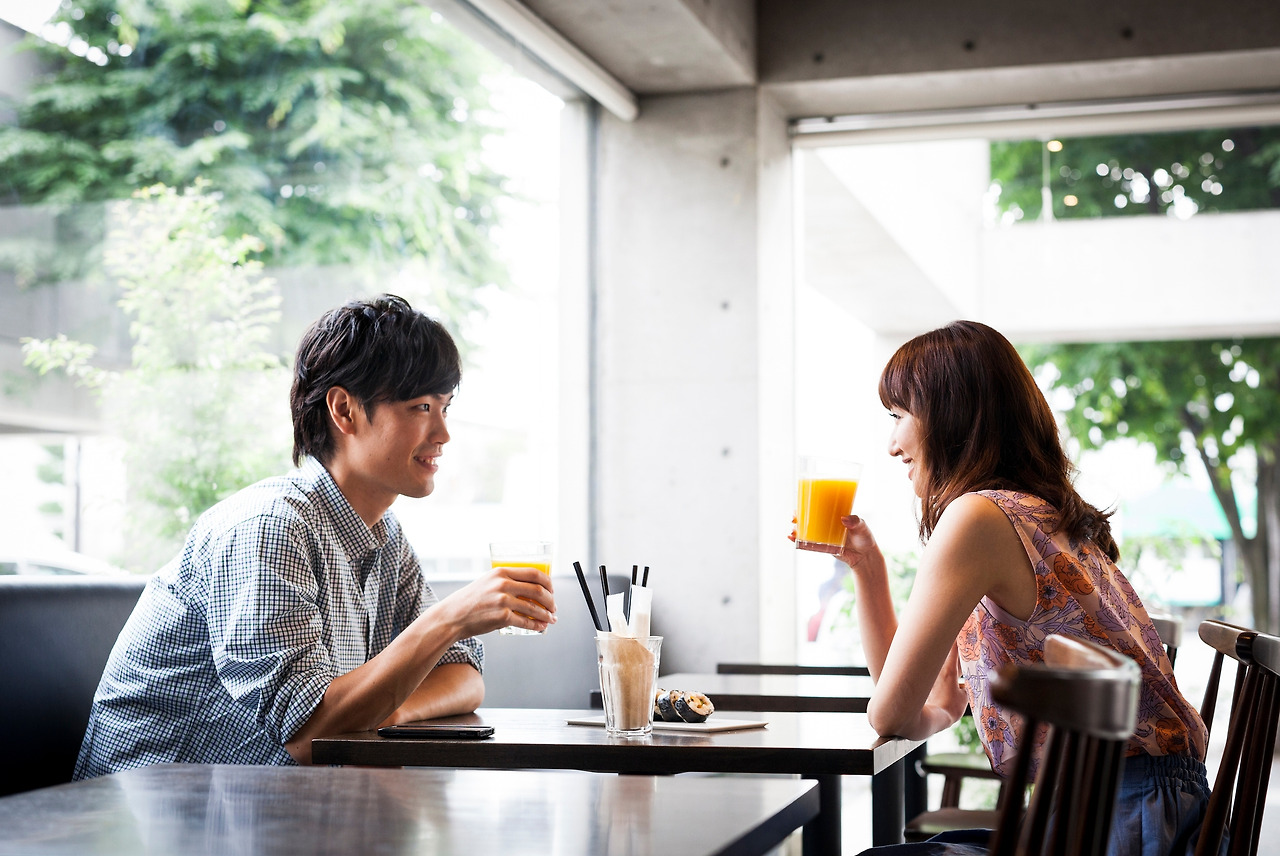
(681, 358)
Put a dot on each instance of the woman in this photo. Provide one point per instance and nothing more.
(1012, 554)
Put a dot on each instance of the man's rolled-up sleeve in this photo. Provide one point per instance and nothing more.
(469, 650)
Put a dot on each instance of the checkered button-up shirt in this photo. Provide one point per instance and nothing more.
(278, 590)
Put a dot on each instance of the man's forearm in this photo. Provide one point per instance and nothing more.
(368, 694)
(449, 689)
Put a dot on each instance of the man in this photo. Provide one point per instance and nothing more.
(296, 607)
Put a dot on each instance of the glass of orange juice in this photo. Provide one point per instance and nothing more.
(825, 494)
(521, 554)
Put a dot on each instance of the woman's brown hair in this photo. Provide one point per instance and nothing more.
(984, 425)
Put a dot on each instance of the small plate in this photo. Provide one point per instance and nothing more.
(715, 723)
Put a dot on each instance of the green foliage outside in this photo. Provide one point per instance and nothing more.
(340, 131)
(1211, 403)
(1230, 169)
(347, 134)
(202, 407)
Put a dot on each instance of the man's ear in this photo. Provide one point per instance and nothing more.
(343, 409)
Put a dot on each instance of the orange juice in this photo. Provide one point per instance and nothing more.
(819, 507)
(538, 565)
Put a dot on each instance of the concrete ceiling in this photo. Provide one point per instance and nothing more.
(834, 57)
(661, 46)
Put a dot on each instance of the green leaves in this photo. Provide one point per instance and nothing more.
(1224, 394)
(200, 408)
(1183, 173)
(342, 131)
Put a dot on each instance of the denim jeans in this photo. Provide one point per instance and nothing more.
(1160, 806)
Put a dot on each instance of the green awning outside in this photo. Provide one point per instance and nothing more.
(1179, 511)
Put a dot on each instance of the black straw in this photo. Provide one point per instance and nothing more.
(644, 583)
(626, 603)
(586, 592)
(604, 584)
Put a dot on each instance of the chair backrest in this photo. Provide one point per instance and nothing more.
(1088, 696)
(1240, 790)
(1226, 640)
(55, 635)
(1170, 629)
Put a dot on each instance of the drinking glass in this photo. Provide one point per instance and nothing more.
(826, 487)
(628, 681)
(521, 554)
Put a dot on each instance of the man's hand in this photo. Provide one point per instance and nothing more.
(505, 597)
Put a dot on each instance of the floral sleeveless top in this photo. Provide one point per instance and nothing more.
(1081, 593)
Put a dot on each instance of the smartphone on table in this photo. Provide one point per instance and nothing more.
(437, 731)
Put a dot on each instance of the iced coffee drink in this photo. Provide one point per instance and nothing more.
(628, 678)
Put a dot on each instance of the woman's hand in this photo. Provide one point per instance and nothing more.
(505, 597)
(859, 544)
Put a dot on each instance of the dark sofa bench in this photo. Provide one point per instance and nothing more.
(55, 635)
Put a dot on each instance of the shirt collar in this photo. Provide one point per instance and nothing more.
(356, 538)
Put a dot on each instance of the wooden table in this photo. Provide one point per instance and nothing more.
(821, 746)
(219, 809)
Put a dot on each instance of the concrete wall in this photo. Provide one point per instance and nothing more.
(1134, 277)
(678, 367)
(16, 69)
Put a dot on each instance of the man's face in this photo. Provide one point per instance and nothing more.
(398, 451)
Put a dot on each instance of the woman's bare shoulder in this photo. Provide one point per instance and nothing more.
(974, 515)
(979, 536)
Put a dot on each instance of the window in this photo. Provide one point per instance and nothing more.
(389, 154)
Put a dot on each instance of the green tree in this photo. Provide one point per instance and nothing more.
(1225, 169)
(341, 131)
(201, 408)
(1212, 401)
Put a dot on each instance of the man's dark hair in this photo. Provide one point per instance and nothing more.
(377, 350)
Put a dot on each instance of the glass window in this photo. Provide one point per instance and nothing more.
(182, 193)
(1043, 240)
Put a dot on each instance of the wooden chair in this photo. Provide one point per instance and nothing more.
(955, 767)
(1240, 790)
(1170, 629)
(1088, 696)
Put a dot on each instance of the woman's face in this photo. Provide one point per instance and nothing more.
(904, 442)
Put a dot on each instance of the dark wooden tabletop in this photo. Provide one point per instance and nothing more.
(772, 692)
(824, 746)
(219, 809)
(531, 738)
